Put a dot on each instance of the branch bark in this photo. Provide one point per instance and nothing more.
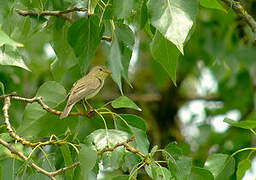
(239, 9)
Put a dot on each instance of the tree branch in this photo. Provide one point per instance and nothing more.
(239, 9)
(59, 14)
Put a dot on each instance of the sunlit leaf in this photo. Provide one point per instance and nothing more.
(10, 56)
(124, 102)
(173, 18)
(222, 166)
(246, 124)
(101, 139)
(165, 53)
(181, 168)
(2, 87)
(91, 6)
(68, 161)
(122, 9)
(213, 4)
(242, 167)
(5, 39)
(87, 158)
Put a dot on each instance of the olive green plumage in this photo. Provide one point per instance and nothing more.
(86, 87)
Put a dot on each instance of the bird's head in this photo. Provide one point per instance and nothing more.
(100, 72)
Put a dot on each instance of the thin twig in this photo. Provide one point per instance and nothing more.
(54, 173)
(60, 14)
(239, 9)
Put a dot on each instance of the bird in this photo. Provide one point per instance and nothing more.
(86, 87)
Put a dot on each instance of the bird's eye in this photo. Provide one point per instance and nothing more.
(101, 69)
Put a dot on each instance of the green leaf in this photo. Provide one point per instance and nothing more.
(123, 9)
(130, 160)
(5, 39)
(68, 161)
(115, 62)
(242, 168)
(87, 158)
(65, 57)
(173, 150)
(136, 127)
(173, 18)
(124, 177)
(158, 172)
(165, 53)
(2, 87)
(100, 139)
(11, 56)
(200, 174)
(91, 6)
(222, 166)
(126, 40)
(35, 120)
(181, 168)
(212, 4)
(84, 36)
(246, 124)
(124, 102)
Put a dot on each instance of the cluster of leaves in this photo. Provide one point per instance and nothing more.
(169, 24)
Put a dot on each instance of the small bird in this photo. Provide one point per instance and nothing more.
(86, 87)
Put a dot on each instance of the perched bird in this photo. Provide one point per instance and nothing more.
(86, 87)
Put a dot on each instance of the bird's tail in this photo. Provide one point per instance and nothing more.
(66, 111)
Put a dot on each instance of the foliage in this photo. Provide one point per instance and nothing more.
(48, 45)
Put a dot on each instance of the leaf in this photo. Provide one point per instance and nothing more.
(68, 161)
(246, 124)
(124, 102)
(123, 9)
(212, 4)
(242, 168)
(124, 177)
(91, 6)
(126, 40)
(2, 87)
(181, 168)
(156, 172)
(65, 56)
(173, 150)
(114, 62)
(87, 158)
(100, 140)
(84, 36)
(137, 128)
(165, 53)
(130, 160)
(35, 120)
(11, 56)
(173, 18)
(222, 166)
(5, 39)
(200, 174)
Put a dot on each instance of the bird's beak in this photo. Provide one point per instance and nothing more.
(109, 73)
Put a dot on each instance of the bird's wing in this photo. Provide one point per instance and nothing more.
(82, 88)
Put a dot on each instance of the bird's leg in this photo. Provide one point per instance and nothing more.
(90, 107)
(83, 102)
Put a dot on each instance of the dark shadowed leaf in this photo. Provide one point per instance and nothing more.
(165, 53)
(200, 174)
(222, 166)
(173, 18)
(124, 102)
(115, 62)
(84, 36)
(68, 161)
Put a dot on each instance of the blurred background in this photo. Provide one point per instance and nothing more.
(216, 78)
